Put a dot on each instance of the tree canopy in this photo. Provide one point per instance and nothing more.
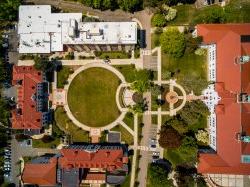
(42, 63)
(141, 81)
(169, 137)
(158, 176)
(159, 20)
(173, 42)
(192, 112)
(9, 9)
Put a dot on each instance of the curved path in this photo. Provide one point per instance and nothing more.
(117, 97)
(66, 87)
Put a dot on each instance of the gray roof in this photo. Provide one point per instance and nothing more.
(70, 177)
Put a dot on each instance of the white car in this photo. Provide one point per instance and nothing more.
(156, 153)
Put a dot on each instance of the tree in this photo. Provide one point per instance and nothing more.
(170, 13)
(202, 136)
(139, 107)
(107, 4)
(140, 86)
(9, 9)
(213, 14)
(169, 137)
(193, 83)
(192, 112)
(42, 63)
(97, 4)
(159, 20)
(173, 42)
(158, 176)
(178, 124)
(141, 81)
(192, 43)
(130, 5)
(156, 89)
(188, 150)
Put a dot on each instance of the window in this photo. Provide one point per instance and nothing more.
(245, 158)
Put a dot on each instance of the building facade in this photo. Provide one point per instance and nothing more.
(227, 98)
(79, 164)
(42, 31)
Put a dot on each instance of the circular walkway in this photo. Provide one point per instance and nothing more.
(71, 77)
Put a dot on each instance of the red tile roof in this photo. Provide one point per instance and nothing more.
(29, 118)
(77, 158)
(232, 117)
(95, 176)
(41, 174)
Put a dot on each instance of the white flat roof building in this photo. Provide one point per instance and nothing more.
(41, 31)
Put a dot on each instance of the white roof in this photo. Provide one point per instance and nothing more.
(43, 32)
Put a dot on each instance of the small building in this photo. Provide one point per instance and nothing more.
(79, 164)
(228, 100)
(31, 113)
(42, 31)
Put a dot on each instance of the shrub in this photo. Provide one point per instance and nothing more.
(159, 20)
(47, 139)
(202, 136)
(200, 51)
(170, 13)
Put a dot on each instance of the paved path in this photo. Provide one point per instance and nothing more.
(71, 77)
(143, 164)
(128, 128)
(132, 179)
(137, 62)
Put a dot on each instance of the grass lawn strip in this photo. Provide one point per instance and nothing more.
(129, 120)
(91, 97)
(125, 135)
(64, 123)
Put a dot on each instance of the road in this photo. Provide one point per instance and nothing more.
(19, 151)
(143, 164)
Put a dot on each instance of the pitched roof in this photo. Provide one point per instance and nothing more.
(232, 79)
(29, 117)
(40, 174)
(102, 158)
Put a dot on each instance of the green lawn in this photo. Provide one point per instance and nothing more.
(129, 120)
(40, 144)
(91, 97)
(184, 16)
(62, 76)
(62, 121)
(128, 72)
(125, 135)
(173, 156)
(189, 66)
(237, 11)
(113, 54)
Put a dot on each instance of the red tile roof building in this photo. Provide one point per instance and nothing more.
(42, 174)
(76, 164)
(232, 112)
(27, 115)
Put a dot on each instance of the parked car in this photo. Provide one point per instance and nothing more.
(155, 158)
(155, 153)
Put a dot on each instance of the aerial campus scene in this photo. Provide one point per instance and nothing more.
(125, 93)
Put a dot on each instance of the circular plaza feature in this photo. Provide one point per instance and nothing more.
(172, 97)
(91, 97)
